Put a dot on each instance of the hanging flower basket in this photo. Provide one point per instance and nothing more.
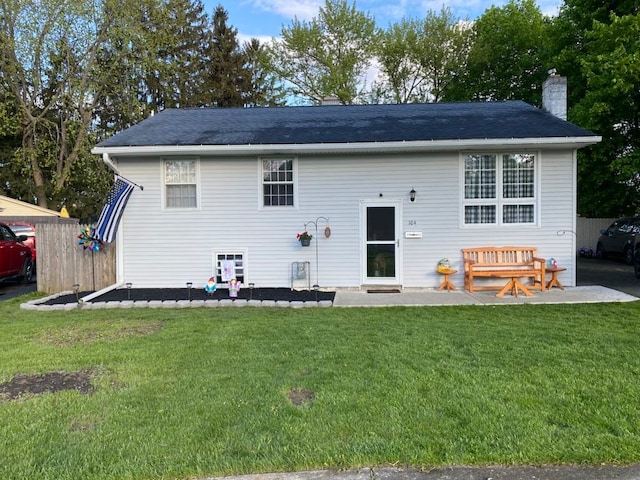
(304, 238)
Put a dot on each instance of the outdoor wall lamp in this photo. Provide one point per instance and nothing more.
(412, 195)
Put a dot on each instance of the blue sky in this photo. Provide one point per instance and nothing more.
(264, 19)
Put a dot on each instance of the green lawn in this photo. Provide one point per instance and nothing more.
(183, 393)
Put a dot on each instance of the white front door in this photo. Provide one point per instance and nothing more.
(381, 242)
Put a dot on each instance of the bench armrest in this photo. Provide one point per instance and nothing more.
(542, 261)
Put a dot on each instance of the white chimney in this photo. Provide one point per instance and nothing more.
(554, 95)
(331, 100)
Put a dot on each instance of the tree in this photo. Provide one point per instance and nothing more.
(507, 60)
(10, 178)
(75, 71)
(228, 76)
(48, 64)
(155, 60)
(446, 43)
(265, 90)
(611, 107)
(569, 30)
(402, 78)
(327, 56)
(176, 40)
(606, 187)
(419, 59)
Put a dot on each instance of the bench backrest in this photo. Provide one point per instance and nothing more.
(496, 256)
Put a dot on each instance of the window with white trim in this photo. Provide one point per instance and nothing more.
(278, 182)
(499, 189)
(181, 183)
(229, 265)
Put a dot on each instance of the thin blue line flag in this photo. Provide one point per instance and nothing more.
(112, 211)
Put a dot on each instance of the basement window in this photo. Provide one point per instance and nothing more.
(229, 265)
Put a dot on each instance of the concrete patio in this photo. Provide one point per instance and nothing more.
(409, 297)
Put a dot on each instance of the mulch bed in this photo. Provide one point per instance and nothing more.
(176, 294)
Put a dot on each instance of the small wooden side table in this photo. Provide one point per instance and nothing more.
(554, 282)
(446, 283)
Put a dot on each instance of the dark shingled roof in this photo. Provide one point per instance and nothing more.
(345, 124)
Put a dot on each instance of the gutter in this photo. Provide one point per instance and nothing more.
(364, 147)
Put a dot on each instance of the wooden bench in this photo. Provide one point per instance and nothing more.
(513, 263)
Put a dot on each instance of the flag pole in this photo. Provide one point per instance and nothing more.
(107, 160)
(132, 183)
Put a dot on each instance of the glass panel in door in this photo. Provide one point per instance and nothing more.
(381, 243)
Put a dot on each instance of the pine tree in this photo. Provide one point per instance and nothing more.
(227, 76)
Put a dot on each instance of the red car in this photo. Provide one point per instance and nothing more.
(15, 256)
(28, 229)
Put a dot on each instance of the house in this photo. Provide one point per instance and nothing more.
(12, 209)
(386, 191)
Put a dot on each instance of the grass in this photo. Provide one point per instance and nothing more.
(199, 392)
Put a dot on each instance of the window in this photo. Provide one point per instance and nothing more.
(181, 183)
(229, 265)
(499, 189)
(277, 182)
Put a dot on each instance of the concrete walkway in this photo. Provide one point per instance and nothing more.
(409, 297)
(553, 472)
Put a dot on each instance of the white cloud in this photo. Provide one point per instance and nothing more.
(247, 38)
(550, 8)
(300, 9)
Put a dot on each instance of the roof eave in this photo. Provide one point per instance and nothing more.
(365, 147)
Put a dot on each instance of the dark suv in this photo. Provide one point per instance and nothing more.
(636, 256)
(618, 239)
(15, 256)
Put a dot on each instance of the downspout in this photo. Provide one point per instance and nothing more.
(107, 160)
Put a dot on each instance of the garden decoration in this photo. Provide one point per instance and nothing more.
(327, 234)
(211, 286)
(227, 270)
(304, 238)
(234, 288)
(88, 241)
(444, 265)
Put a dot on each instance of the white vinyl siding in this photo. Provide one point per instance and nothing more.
(163, 247)
(181, 183)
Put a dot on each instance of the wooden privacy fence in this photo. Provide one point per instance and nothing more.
(62, 263)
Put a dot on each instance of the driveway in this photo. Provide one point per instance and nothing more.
(608, 273)
(11, 289)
